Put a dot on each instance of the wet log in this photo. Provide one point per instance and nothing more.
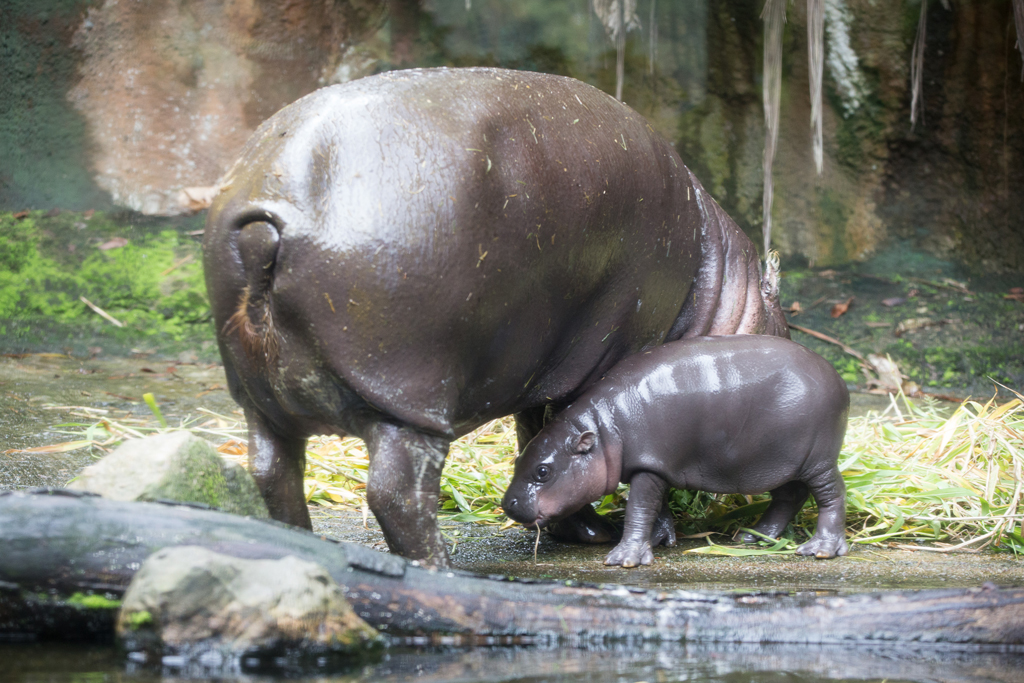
(65, 560)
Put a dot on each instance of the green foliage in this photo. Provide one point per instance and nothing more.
(29, 282)
(946, 366)
(153, 282)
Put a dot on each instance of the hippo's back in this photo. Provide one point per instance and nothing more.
(453, 245)
(736, 381)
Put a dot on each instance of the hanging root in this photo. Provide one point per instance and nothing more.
(774, 16)
(917, 66)
(1018, 17)
(770, 278)
(254, 324)
(816, 64)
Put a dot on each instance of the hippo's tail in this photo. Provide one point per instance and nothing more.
(252, 320)
(731, 294)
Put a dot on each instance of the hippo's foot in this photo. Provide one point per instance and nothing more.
(584, 526)
(824, 547)
(770, 531)
(746, 537)
(630, 553)
(663, 531)
(786, 502)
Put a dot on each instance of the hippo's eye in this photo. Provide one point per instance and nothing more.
(543, 473)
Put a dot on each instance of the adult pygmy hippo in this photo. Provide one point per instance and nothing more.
(407, 256)
(738, 414)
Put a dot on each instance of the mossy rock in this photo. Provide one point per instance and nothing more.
(191, 602)
(173, 466)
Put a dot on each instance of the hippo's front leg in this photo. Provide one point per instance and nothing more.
(277, 464)
(402, 490)
(646, 500)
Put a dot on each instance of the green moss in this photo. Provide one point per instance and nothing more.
(973, 339)
(959, 366)
(140, 619)
(834, 214)
(849, 370)
(858, 135)
(88, 601)
(153, 282)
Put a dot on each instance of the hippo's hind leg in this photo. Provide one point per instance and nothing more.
(583, 526)
(403, 487)
(829, 538)
(663, 531)
(277, 464)
(786, 502)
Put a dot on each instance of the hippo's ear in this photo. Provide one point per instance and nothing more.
(585, 442)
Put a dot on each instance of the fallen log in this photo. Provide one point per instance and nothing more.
(67, 558)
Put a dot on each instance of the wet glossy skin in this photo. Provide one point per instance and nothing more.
(738, 414)
(407, 256)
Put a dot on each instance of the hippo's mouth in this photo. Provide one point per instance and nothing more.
(538, 521)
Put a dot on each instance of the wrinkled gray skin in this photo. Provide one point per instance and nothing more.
(737, 414)
(407, 256)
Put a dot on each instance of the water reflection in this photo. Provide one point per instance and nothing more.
(665, 663)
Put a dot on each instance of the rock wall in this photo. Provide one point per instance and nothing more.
(44, 142)
(950, 184)
(956, 184)
(131, 102)
(170, 90)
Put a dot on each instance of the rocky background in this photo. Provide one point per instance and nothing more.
(108, 103)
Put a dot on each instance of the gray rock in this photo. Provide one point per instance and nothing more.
(173, 466)
(191, 602)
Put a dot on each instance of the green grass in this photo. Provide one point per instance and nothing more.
(916, 477)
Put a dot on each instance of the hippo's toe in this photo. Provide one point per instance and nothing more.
(630, 554)
(824, 548)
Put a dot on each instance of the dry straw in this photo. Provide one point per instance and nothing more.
(917, 476)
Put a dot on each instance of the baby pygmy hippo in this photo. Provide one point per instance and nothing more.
(737, 414)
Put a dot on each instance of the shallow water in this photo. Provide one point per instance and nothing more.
(620, 664)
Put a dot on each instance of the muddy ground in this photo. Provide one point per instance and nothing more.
(44, 397)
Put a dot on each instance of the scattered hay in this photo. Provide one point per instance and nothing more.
(916, 476)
